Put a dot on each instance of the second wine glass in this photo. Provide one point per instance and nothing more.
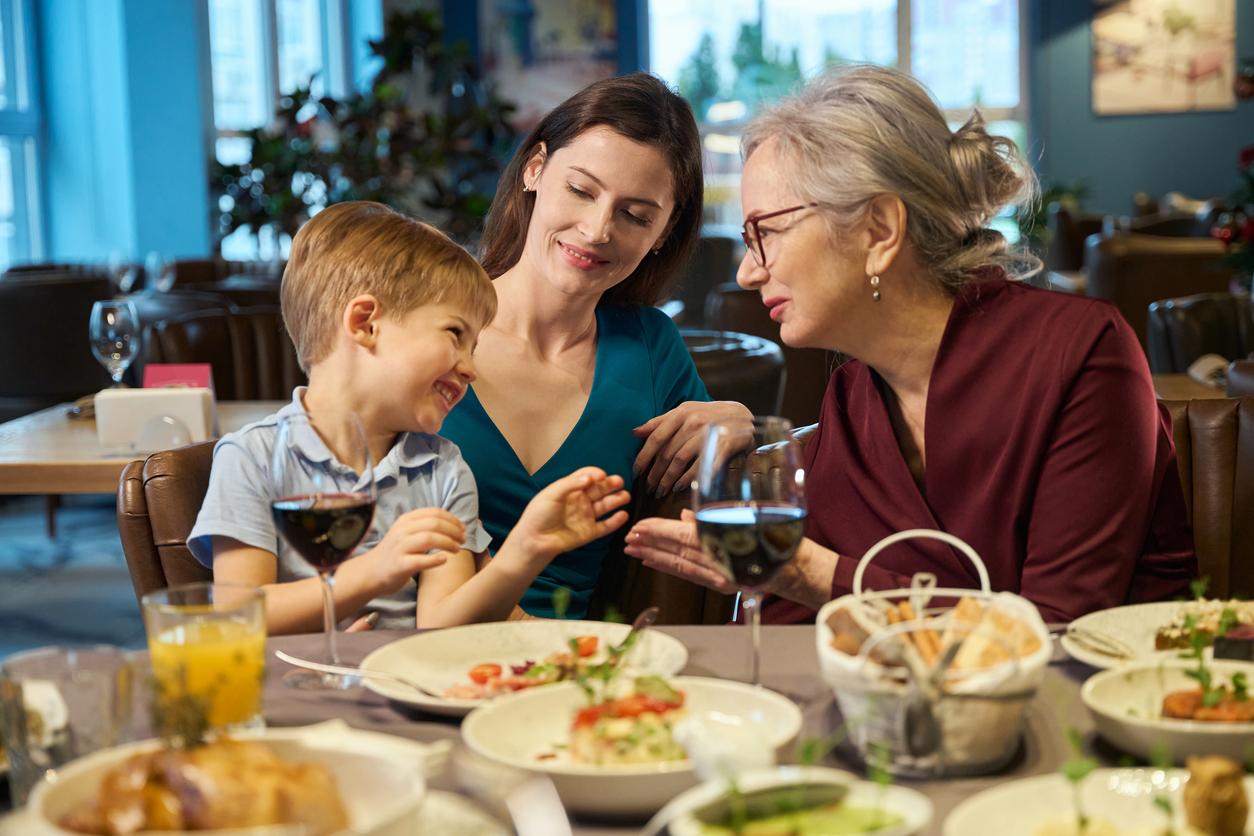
(751, 508)
(114, 331)
(323, 493)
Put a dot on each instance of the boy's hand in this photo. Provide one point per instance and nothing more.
(403, 551)
(567, 513)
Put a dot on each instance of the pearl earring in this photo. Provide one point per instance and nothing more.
(875, 288)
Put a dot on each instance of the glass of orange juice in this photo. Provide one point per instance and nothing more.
(207, 643)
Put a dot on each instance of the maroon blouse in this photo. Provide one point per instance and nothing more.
(1046, 450)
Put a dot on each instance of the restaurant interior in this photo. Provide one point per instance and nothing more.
(158, 159)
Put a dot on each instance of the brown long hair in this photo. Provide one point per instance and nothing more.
(641, 108)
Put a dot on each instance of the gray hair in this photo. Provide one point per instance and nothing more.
(861, 130)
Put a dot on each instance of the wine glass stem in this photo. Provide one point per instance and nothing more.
(752, 603)
(328, 615)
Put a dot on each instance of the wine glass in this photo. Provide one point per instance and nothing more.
(322, 480)
(114, 329)
(750, 507)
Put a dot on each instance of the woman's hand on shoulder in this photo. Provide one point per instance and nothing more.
(673, 441)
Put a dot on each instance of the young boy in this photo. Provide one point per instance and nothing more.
(384, 312)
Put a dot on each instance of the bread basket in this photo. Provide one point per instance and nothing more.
(941, 690)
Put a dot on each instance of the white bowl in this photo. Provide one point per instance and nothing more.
(914, 808)
(381, 791)
(515, 729)
(438, 659)
(1126, 705)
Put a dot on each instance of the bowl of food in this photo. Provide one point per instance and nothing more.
(622, 755)
(1181, 707)
(286, 781)
(795, 799)
(934, 681)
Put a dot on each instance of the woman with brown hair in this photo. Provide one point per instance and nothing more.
(597, 211)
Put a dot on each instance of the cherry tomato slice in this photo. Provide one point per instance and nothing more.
(481, 674)
(586, 645)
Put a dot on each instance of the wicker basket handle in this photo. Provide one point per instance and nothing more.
(927, 533)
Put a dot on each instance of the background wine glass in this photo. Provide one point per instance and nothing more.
(322, 509)
(750, 507)
(114, 330)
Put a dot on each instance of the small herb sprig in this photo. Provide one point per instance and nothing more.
(1212, 693)
(1075, 770)
(1160, 758)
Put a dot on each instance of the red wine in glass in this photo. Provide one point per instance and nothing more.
(751, 540)
(325, 528)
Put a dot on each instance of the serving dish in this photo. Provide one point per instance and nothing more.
(1126, 706)
(521, 729)
(380, 779)
(440, 659)
(914, 809)
(1121, 796)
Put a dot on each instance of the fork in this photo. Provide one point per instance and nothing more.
(344, 670)
(1100, 642)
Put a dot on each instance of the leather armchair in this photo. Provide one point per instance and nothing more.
(1067, 233)
(251, 354)
(712, 264)
(1215, 448)
(1182, 330)
(158, 500)
(807, 370)
(738, 367)
(1133, 270)
(1240, 378)
(44, 341)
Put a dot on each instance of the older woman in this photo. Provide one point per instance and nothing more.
(1021, 420)
(597, 211)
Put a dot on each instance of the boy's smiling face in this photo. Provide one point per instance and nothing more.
(425, 364)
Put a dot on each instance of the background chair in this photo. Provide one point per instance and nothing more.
(712, 264)
(1133, 270)
(807, 370)
(1215, 448)
(158, 500)
(1182, 330)
(251, 354)
(1067, 233)
(738, 367)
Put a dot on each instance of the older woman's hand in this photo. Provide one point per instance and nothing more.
(673, 441)
(672, 546)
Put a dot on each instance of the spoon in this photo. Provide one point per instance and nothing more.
(345, 670)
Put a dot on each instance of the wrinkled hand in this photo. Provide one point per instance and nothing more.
(419, 540)
(672, 546)
(673, 440)
(568, 513)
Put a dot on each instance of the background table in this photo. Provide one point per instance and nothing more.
(48, 452)
(789, 665)
(1181, 387)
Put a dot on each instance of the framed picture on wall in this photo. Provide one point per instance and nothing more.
(1163, 56)
(540, 52)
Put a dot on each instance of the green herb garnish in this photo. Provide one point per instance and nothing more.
(1198, 587)
(1075, 770)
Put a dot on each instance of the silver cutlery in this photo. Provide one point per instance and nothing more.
(345, 670)
(1100, 642)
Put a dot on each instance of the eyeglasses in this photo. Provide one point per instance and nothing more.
(753, 238)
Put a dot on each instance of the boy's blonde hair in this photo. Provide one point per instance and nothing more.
(360, 247)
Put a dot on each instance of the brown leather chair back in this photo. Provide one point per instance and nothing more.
(251, 354)
(1215, 449)
(807, 370)
(738, 367)
(1134, 270)
(713, 263)
(158, 500)
(44, 341)
(1182, 330)
(1067, 232)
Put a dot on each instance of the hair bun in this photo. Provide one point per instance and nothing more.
(988, 171)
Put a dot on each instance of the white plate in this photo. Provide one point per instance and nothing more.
(1126, 705)
(1135, 625)
(1123, 796)
(914, 808)
(515, 729)
(439, 659)
(380, 778)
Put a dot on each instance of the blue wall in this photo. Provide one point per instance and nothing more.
(125, 114)
(1194, 153)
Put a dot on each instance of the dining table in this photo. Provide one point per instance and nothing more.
(790, 666)
(54, 451)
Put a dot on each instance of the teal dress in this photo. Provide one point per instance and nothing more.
(643, 369)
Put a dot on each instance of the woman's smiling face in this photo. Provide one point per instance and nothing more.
(602, 203)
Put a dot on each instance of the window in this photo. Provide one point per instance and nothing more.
(259, 51)
(729, 57)
(21, 229)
